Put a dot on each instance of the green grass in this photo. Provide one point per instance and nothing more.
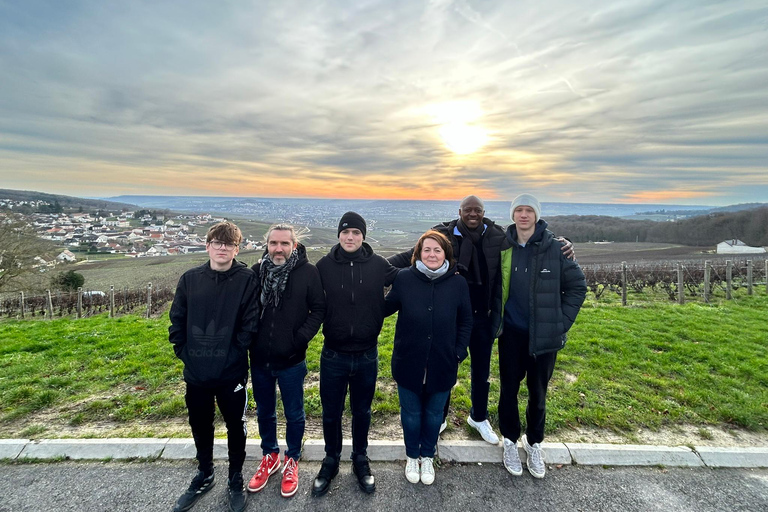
(651, 367)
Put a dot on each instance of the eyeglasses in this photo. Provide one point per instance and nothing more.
(216, 244)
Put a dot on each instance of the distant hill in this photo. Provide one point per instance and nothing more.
(67, 202)
(750, 226)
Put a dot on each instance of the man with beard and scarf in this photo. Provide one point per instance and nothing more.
(476, 242)
(292, 308)
(353, 278)
(535, 303)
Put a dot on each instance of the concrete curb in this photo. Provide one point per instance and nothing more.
(454, 451)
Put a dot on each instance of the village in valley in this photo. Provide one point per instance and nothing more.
(137, 234)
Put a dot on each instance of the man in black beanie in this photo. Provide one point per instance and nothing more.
(353, 278)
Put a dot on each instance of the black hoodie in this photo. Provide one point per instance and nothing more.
(213, 317)
(285, 331)
(354, 293)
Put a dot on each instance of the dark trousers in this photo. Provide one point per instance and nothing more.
(291, 383)
(339, 371)
(480, 349)
(515, 363)
(233, 401)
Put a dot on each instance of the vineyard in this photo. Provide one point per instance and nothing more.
(636, 283)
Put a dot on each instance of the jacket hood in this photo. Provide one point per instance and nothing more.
(538, 234)
(236, 267)
(337, 254)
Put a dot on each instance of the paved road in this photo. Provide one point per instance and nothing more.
(153, 486)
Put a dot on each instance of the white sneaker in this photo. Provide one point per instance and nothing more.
(443, 426)
(485, 429)
(427, 471)
(512, 458)
(535, 462)
(412, 470)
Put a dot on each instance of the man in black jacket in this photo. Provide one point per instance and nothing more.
(476, 242)
(293, 306)
(535, 303)
(213, 317)
(353, 278)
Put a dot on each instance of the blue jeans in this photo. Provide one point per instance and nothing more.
(291, 383)
(337, 371)
(421, 415)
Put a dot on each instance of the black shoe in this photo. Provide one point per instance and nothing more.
(200, 485)
(237, 494)
(362, 470)
(328, 472)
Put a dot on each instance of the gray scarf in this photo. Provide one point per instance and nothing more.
(432, 274)
(274, 278)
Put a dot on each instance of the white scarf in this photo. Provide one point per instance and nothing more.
(432, 274)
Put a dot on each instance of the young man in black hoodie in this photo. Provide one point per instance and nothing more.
(213, 317)
(353, 278)
(293, 307)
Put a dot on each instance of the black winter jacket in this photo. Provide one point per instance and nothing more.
(432, 331)
(491, 244)
(284, 332)
(557, 289)
(354, 297)
(213, 318)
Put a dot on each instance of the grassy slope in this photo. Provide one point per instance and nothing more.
(623, 368)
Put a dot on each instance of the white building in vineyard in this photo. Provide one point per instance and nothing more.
(737, 247)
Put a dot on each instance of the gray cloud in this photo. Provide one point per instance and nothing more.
(588, 101)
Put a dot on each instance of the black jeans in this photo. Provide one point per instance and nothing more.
(480, 350)
(232, 399)
(515, 363)
(338, 371)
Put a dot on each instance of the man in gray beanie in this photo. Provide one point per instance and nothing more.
(531, 329)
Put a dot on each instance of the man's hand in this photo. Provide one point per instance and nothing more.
(567, 247)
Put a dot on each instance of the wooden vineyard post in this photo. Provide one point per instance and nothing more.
(749, 277)
(680, 288)
(707, 270)
(149, 299)
(79, 302)
(728, 279)
(50, 304)
(111, 301)
(21, 303)
(623, 283)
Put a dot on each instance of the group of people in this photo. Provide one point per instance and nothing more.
(465, 283)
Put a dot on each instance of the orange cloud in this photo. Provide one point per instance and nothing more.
(655, 196)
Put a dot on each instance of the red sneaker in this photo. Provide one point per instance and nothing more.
(269, 464)
(290, 478)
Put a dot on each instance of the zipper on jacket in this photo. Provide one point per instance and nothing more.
(352, 280)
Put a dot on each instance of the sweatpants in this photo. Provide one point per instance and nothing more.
(232, 399)
(515, 363)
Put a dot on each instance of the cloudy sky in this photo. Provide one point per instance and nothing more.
(589, 101)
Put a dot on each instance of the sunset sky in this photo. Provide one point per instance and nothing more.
(590, 101)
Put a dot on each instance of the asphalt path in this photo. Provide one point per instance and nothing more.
(154, 486)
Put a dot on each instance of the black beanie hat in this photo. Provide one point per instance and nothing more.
(351, 220)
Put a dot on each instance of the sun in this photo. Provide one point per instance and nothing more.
(462, 138)
(458, 126)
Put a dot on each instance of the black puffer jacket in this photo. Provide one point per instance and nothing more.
(284, 332)
(433, 329)
(213, 318)
(354, 297)
(557, 289)
(491, 244)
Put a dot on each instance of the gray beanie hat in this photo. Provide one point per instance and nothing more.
(525, 200)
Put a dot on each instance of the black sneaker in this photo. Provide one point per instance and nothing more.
(362, 470)
(328, 472)
(200, 485)
(237, 494)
